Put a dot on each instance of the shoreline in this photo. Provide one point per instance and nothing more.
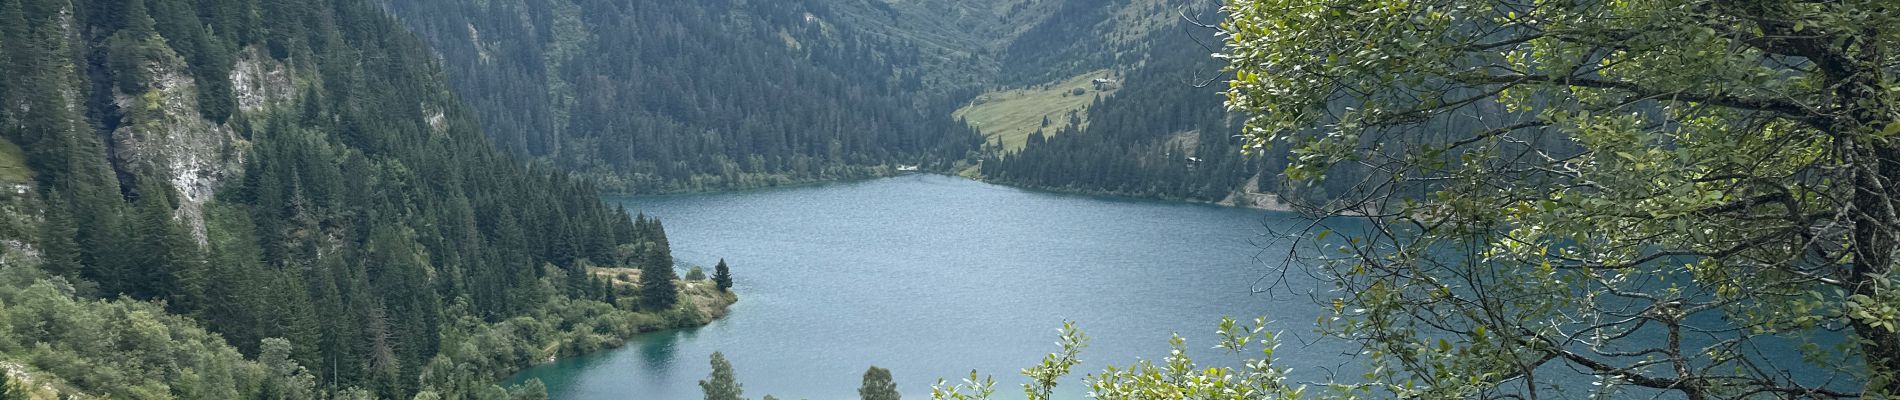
(1248, 200)
(707, 302)
(778, 182)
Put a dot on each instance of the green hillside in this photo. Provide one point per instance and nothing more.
(1011, 115)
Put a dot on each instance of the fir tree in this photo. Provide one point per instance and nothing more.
(722, 276)
(132, 47)
(58, 248)
(657, 289)
(168, 263)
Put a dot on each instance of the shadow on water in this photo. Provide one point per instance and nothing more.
(660, 351)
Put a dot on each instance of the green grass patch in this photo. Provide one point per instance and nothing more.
(13, 164)
(1013, 114)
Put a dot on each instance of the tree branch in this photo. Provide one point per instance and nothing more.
(1790, 110)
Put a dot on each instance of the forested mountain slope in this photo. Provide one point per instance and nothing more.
(281, 199)
(630, 95)
(655, 95)
(1162, 134)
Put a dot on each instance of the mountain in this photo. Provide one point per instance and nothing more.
(1153, 127)
(282, 199)
(654, 95)
(623, 93)
(290, 199)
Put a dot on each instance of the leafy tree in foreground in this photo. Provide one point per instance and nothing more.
(1663, 195)
(878, 385)
(1178, 377)
(721, 385)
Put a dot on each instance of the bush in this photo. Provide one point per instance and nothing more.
(124, 348)
(696, 274)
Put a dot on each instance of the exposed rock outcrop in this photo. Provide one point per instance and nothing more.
(260, 82)
(162, 130)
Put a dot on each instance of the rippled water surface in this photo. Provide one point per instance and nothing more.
(934, 276)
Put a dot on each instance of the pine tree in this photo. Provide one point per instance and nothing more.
(722, 276)
(624, 229)
(657, 289)
(130, 48)
(12, 21)
(58, 246)
(170, 263)
(216, 100)
(878, 385)
(578, 280)
(722, 385)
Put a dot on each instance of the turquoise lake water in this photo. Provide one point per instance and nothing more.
(932, 276)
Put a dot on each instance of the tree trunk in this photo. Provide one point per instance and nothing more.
(1876, 164)
(1874, 247)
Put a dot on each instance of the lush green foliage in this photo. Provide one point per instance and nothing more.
(1178, 377)
(1653, 193)
(124, 348)
(367, 228)
(10, 390)
(476, 353)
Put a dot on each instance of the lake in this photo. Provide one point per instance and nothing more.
(933, 276)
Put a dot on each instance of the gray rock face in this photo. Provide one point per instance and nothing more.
(162, 131)
(261, 82)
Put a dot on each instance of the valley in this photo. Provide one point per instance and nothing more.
(728, 199)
